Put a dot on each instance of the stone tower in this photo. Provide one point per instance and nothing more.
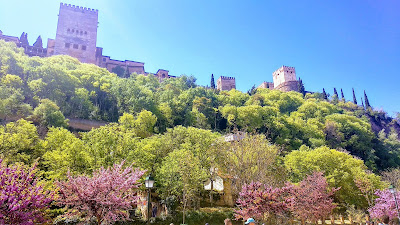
(226, 83)
(77, 33)
(285, 79)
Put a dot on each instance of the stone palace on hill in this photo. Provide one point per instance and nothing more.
(76, 36)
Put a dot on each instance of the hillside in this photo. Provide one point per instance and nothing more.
(45, 90)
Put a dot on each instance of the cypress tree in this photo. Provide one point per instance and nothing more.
(335, 92)
(24, 39)
(354, 97)
(212, 81)
(362, 103)
(252, 91)
(324, 94)
(301, 87)
(38, 43)
(367, 105)
(342, 95)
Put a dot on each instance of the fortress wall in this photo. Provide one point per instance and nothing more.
(77, 33)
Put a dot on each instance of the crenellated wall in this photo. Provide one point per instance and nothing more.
(226, 83)
(77, 32)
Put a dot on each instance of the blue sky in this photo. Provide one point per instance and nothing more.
(340, 44)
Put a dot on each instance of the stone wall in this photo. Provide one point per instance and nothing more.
(284, 74)
(288, 86)
(77, 33)
(269, 85)
(226, 83)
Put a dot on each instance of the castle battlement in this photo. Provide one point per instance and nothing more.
(287, 67)
(227, 78)
(226, 83)
(78, 8)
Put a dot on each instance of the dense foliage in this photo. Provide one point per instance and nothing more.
(174, 129)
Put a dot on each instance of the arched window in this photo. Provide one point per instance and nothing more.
(68, 30)
(85, 32)
(81, 33)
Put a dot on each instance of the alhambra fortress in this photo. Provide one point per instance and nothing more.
(76, 36)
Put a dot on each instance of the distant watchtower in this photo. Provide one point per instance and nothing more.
(226, 83)
(285, 79)
(77, 33)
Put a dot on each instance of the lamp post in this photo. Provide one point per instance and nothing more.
(393, 191)
(149, 182)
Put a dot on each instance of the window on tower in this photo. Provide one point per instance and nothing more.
(76, 46)
(67, 45)
(83, 47)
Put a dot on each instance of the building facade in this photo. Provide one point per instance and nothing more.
(284, 80)
(226, 83)
(76, 36)
(269, 85)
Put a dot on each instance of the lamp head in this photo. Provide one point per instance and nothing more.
(149, 181)
(391, 189)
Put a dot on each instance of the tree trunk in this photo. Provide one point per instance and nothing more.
(351, 220)
(332, 219)
(98, 217)
(184, 207)
(341, 219)
(211, 191)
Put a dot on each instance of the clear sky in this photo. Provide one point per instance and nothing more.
(340, 44)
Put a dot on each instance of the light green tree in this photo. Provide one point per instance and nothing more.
(18, 142)
(181, 175)
(64, 152)
(250, 158)
(49, 114)
(340, 169)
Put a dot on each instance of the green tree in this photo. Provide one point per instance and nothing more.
(354, 97)
(324, 95)
(109, 144)
(250, 158)
(367, 105)
(212, 81)
(49, 114)
(335, 97)
(38, 43)
(119, 71)
(343, 99)
(340, 169)
(18, 142)
(301, 87)
(64, 152)
(181, 175)
(12, 98)
(354, 134)
(142, 125)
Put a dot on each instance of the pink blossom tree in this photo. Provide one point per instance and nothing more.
(384, 205)
(107, 195)
(22, 199)
(256, 199)
(311, 199)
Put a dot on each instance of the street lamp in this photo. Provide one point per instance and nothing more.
(149, 182)
(393, 191)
